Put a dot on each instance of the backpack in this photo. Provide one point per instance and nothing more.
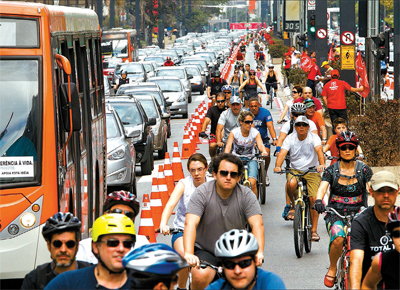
(358, 174)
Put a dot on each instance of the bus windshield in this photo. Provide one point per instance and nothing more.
(116, 47)
(20, 123)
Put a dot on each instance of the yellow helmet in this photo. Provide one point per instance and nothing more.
(110, 224)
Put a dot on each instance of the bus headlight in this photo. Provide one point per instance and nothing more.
(27, 220)
(13, 229)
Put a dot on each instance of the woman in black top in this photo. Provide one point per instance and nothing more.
(250, 86)
(271, 81)
(348, 180)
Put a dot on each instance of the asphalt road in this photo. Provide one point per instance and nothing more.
(304, 273)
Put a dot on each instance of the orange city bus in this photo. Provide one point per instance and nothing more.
(52, 126)
(120, 43)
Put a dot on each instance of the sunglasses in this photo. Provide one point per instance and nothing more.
(294, 92)
(225, 173)
(70, 244)
(230, 265)
(221, 101)
(248, 122)
(228, 92)
(301, 125)
(252, 74)
(297, 114)
(129, 214)
(349, 147)
(115, 243)
(395, 234)
(236, 72)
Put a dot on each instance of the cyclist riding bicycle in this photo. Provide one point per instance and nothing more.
(271, 81)
(154, 266)
(214, 86)
(243, 49)
(228, 91)
(260, 57)
(242, 141)
(122, 80)
(228, 121)
(236, 250)
(250, 87)
(348, 181)
(169, 62)
(234, 81)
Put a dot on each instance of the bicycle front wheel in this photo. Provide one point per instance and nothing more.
(342, 277)
(262, 195)
(271, 96)
(307, 228)
(298, 230)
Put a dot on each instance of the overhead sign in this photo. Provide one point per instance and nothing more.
(321, 33)
(311, 4)
(347, 38)
(347, 57)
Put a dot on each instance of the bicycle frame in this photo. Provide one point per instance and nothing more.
(246, 181)
(301, 201)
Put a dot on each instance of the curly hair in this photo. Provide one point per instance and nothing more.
(244, 114)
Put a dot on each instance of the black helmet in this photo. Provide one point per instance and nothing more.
(123, 72)
(217, 74)
(60, 222)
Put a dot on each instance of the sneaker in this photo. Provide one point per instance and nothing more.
(267, 103)
(267, 183)
(286, 211)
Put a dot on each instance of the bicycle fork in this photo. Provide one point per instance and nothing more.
(246, 181)
(301, 201)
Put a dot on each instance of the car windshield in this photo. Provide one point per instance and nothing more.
(201, 62)
(179, 50)
(205, 56)
(149, 107)
(117, 47)
(193, 71)
(148, 67)
(20, 123)
(155, 94)
(171, 73)
(112, 127)
(110, 64)
(131, 68)
(169, 85)
(155, 58)
(142, 52)
(128, 113)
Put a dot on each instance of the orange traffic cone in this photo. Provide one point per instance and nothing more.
(156, 203)
(186, 147)
(146, 221)
(162, 186)
(193, 135)
(169, 177)
(177, 169)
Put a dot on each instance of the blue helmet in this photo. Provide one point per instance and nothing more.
(153, 261)
(226, 88)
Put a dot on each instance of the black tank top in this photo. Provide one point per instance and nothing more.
(390, 269)
(270, 79)
(251, 88)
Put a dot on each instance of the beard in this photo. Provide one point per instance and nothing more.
(64, 265)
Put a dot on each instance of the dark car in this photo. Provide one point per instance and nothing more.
(138, 127)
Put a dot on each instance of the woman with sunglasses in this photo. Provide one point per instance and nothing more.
(236, 250)
(235, 82)
(296, 93)
(197, 167)
(348, 180)
(250, 85)
(242, 141)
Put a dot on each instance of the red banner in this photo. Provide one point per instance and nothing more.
(362, 73)
(252, 25)
(330, 55)
(306, 62)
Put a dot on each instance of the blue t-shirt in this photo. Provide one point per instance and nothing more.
(260, 122)
(265, 280)
(79, 279)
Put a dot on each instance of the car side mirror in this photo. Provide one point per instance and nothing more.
(133, 133)
(165, 116)
(65, 106)
(169, 104)
(190, 76)
(151, 122)
(203, 73)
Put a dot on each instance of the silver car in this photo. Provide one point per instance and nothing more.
(197, 82)
(181, 73)
(121, 154)
(175, 92)
(150, 68)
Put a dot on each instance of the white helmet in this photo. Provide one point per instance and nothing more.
(236, 243)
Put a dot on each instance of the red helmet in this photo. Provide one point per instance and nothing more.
(393, 219)
(346, 137)
(122, 197)
(252, 71)
(168, 58)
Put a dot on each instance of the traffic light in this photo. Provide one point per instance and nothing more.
(382, 42)
(311, 23)
(275, 20)
(301, 40)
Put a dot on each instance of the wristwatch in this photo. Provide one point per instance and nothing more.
(274, 139)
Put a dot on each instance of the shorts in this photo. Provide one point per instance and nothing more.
(206, 256)
(268, 87)
(313, 180)
(175, 237)
(247, 95)
(251, 167)
(266, 143)
(334, 230)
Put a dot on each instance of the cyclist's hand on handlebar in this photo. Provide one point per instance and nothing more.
(274, 142)
(259, 259)
(264, 153)
(192, 260)
(320, 168)
(319, 206)
(277, 169)
(203, 135)
(220, 144)
(164, 229)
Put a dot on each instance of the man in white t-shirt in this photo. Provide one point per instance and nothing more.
(305, 152)
(228, 120)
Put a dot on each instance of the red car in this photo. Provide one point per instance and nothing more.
(109, 67)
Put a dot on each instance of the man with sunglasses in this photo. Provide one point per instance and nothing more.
(317, 119)
(113, 237)
(214, 86)
(305, 152)
(216, 206)
(236, 251)
(368, 234)
(212, 116)
(228, 121)
(62, 234)
(122, 202)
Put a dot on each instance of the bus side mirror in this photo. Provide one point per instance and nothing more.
(65, 106)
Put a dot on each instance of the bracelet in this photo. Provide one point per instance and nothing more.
(274, 139)
(278, 148)
(323, 139)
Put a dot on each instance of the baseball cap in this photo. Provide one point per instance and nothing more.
(309, 103)
(235, 100)
(382, 179)
(335, 72)
(301, 119)
(324, 63)
(296, 52)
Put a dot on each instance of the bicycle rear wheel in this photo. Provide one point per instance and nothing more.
(298, 230)
(307, 228)
(262, 195)
(271, 96)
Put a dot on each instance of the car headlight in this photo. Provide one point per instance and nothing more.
(117, 153)
(182, 98)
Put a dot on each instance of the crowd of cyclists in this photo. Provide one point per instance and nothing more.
(218, 231)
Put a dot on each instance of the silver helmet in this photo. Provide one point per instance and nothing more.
(236, 243)
(298, 108)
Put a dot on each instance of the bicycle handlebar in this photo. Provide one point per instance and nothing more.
(329, 157)
(334, 211)
(204, 264)
(289, 170)
(172, 231)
